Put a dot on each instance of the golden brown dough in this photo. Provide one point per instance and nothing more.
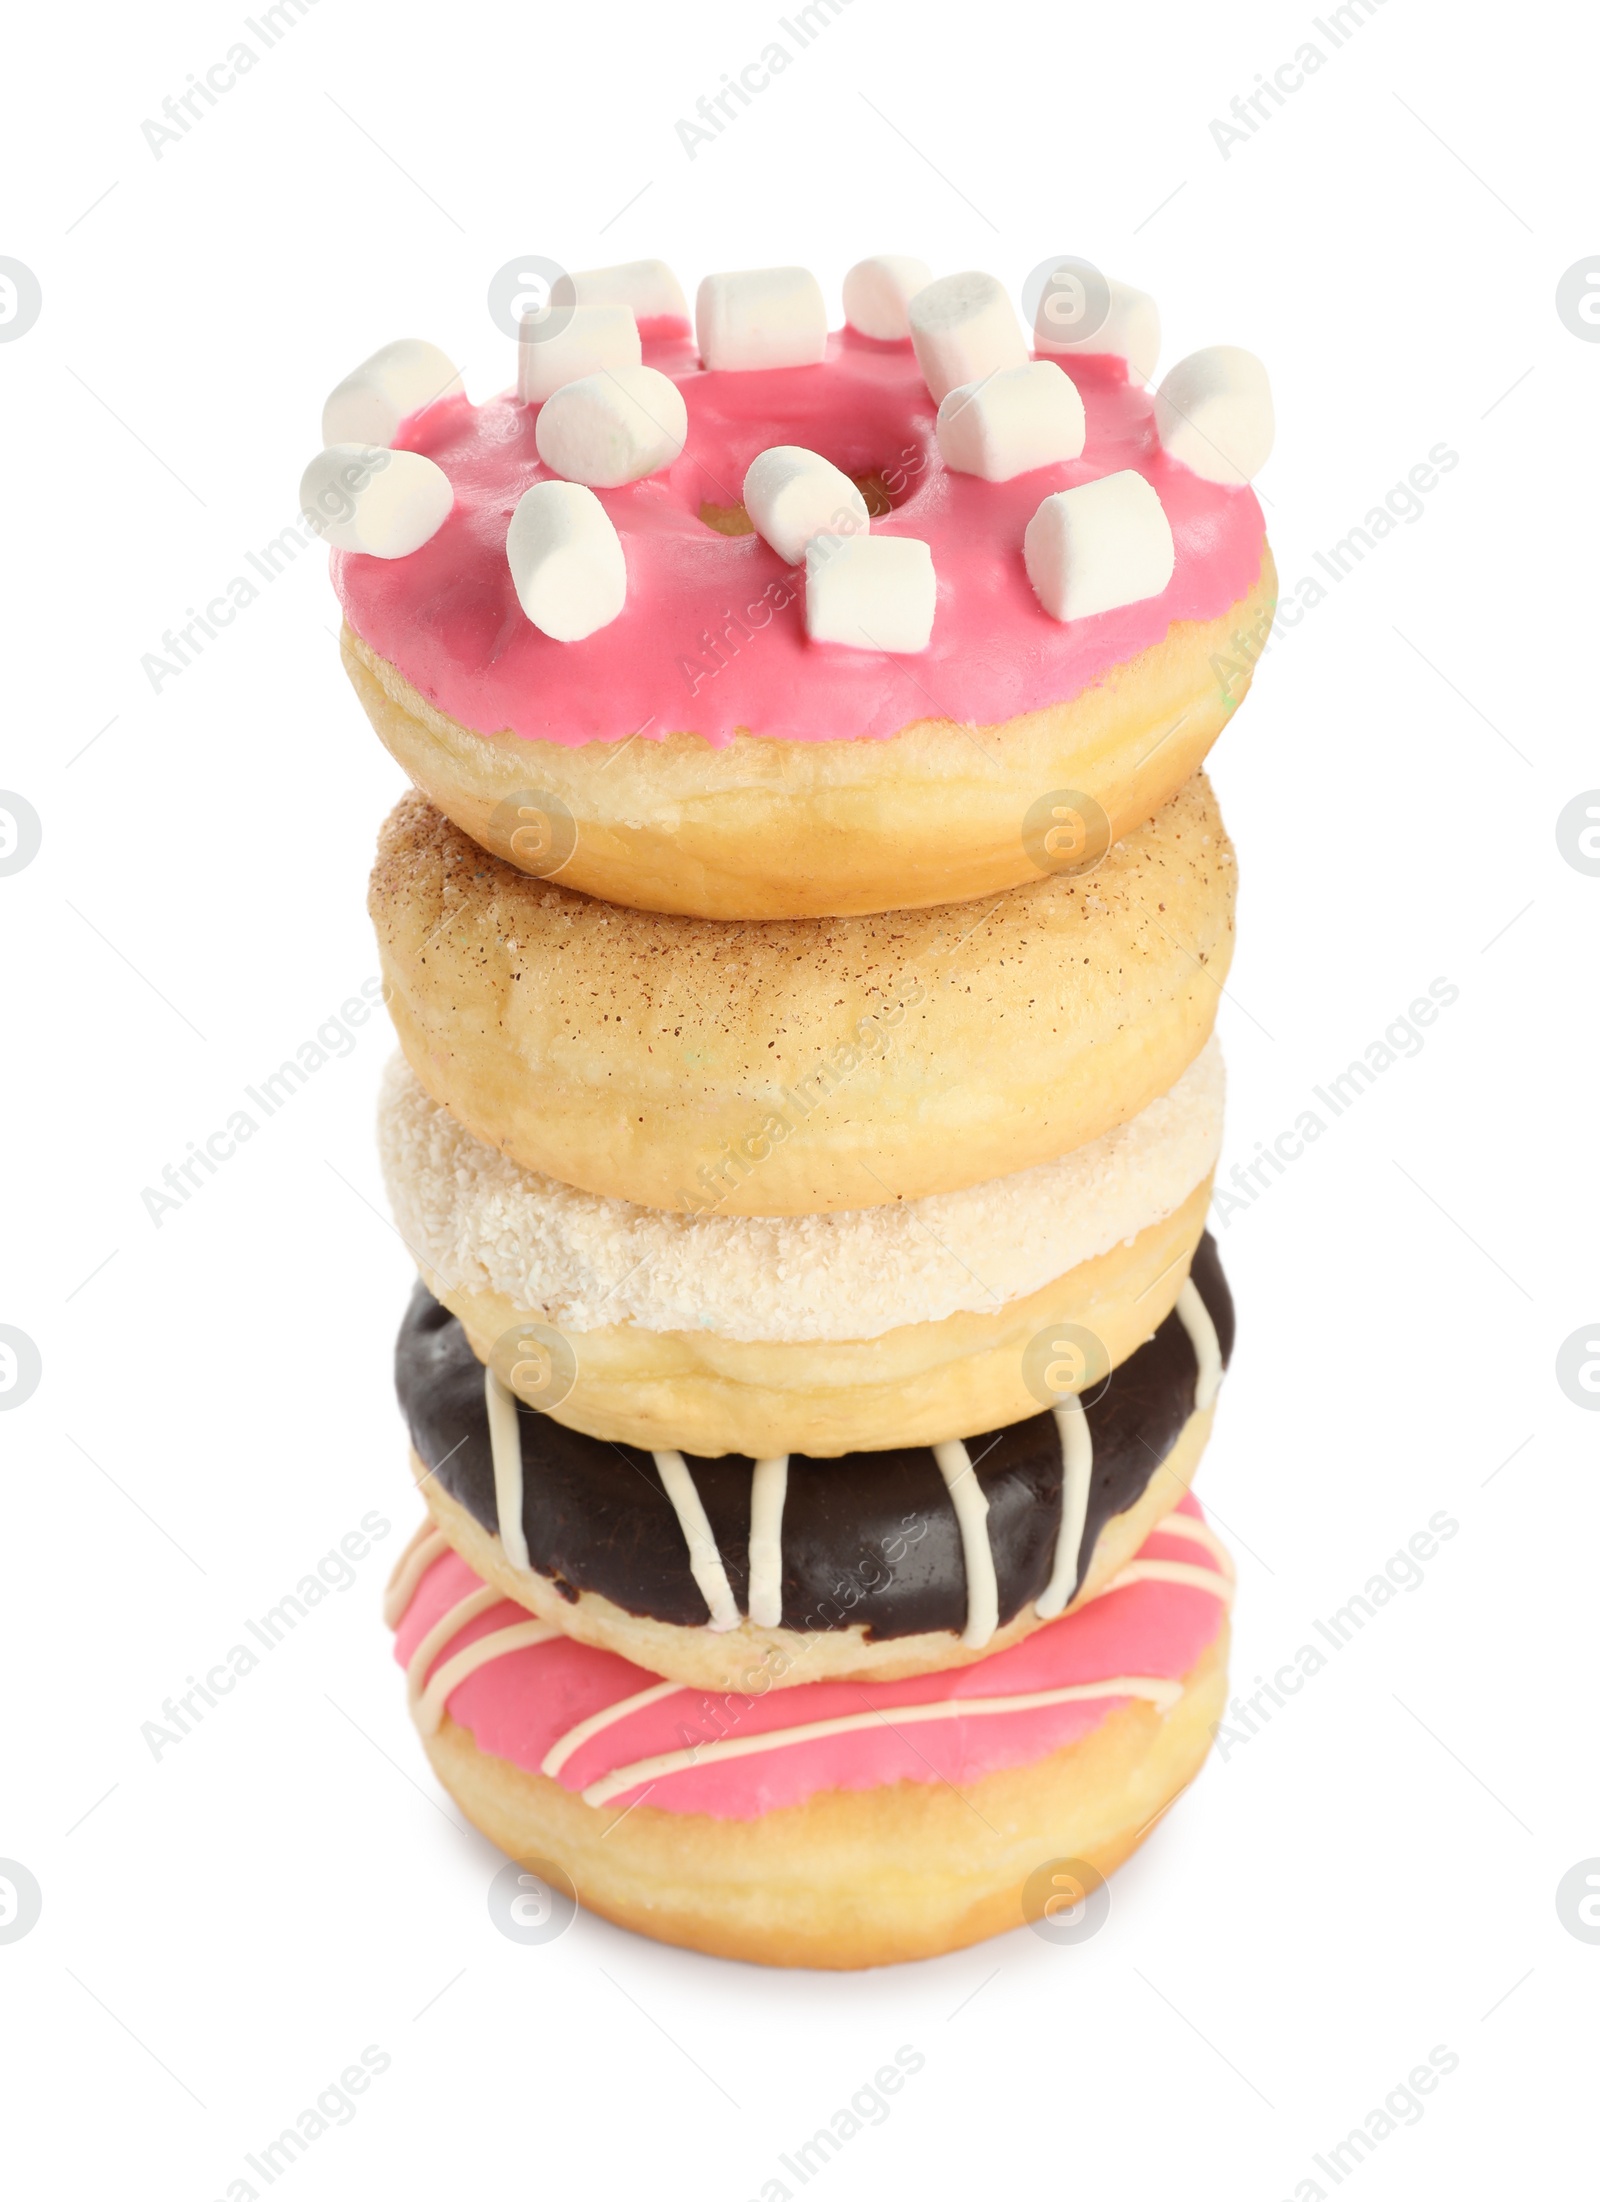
(800, 1066)
(770, 829)
(696, 1392)
(851, 1877)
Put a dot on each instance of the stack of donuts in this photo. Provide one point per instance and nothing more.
(804, 940)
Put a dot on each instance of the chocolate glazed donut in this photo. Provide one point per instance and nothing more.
(870, 1540)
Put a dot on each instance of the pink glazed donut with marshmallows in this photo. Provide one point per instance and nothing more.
(824, 1823)
(763, 621)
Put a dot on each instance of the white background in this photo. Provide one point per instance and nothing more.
(1372, 1875)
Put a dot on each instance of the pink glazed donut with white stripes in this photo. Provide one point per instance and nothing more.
(824, 1823)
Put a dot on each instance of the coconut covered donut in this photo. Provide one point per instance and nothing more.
(855, 1330)
(829, 1823)
(879, 1564)
(805, 1065)
(772, 623)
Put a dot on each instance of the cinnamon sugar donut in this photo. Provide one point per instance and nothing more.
(703, 753)
(835, 1824)
(805, 1065)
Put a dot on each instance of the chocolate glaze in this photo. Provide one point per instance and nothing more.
(868, 1538)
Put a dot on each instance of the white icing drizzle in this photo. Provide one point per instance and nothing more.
(1172, 1571)
(505, 1444)
(1157, 1690)
(977, 1553)
(705, 1561)
(769, 1487)
(448, 1625)
(1077, 1462)
(425, 1547)
(1195, 1317)
(428, 1711)
(574, 1739)
(428, 1696)
(769, 1490)
(1199, 1532)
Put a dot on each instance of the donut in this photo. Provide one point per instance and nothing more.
(804, 935)
(883, 730)
(831, 1823)
(823, 1334)
(803, 1065)
(880, 1564)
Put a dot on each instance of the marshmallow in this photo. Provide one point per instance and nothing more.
(1090, 549)
(361, 497)
(878, 291)
(792, 494)
(1021, 418)
(566, 560)
(764, 317)
(369, 405)
(1213, 411)
(874, 592)
(963, 328)
(589, 339)
(612, 428)
(648, 288)
(1131, 329)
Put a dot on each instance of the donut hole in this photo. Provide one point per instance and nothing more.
(881, 489)
(726, 519)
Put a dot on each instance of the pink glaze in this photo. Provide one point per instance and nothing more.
(712, 637)
(517, 1706)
